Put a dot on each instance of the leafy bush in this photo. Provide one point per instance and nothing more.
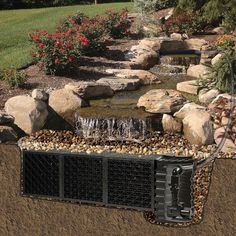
(117, 24)
(58, 52)
(92, 28)
(225, 42)
(13, 77)
(223, 73)
(186, 22)
(162, 4)
(212, 11)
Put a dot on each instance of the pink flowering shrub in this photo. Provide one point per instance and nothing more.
(58, 53)
(117, 23)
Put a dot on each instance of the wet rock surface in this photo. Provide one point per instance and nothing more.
(162, 101)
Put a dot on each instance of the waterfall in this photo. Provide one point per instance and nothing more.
(112, 128)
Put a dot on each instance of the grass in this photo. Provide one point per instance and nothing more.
(15, 25)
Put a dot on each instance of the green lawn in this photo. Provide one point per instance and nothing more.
(15, 25)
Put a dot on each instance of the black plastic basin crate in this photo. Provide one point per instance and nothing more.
(158, 184)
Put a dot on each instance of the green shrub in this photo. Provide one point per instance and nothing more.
(13, 77)
(212, 11)
(162, 4)
(117, 24)
(58, 53)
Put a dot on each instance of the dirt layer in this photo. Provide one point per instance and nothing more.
(24, 216)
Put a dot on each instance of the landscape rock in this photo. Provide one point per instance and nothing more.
(176, 36)
(198, 128)
(152, 43)
(6, 118)
(30, 115)
(162, 101)
(65, 103)
(90, 89)
(195, 43)
(169, 45)
(216, 59)
(218, 30)
(7, 134)
(144, 76)
(190, 87)
(198, 71)
(220, 136)
(187, 109)
(171, 125)
(39, 94)
(120, 84)
(207, 96)
(222, 101)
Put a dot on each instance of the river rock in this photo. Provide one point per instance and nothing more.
(39, 94)
(221, 137)
(198, 71)
(187, 109)
(162, 101)
(207, 96)
(7, 134)
(198, 128)
(144, 76)
(171, 125)
(120, 84)
(216, 59)
(30, 115)
(190, 87)
(65, 103)
(6, 118)
(90, 89)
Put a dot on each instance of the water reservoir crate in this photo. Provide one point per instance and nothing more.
(157, 184)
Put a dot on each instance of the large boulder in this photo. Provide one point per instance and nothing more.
(144, 76)
(90, 89)
(7, 134)
(207, 96)
(198, 71)
(66, 103)
(120, 84)
(144, 55)
(187, 109)
(5, 118)
(190, 87)
(198, 128)
(171, 125)
(30, 115)
(162, 101)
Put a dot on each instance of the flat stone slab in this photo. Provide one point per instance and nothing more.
(119, 84)
(188, 87)
(90, 89)
(145, 77)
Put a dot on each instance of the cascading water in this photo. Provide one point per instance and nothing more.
(113, 128)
